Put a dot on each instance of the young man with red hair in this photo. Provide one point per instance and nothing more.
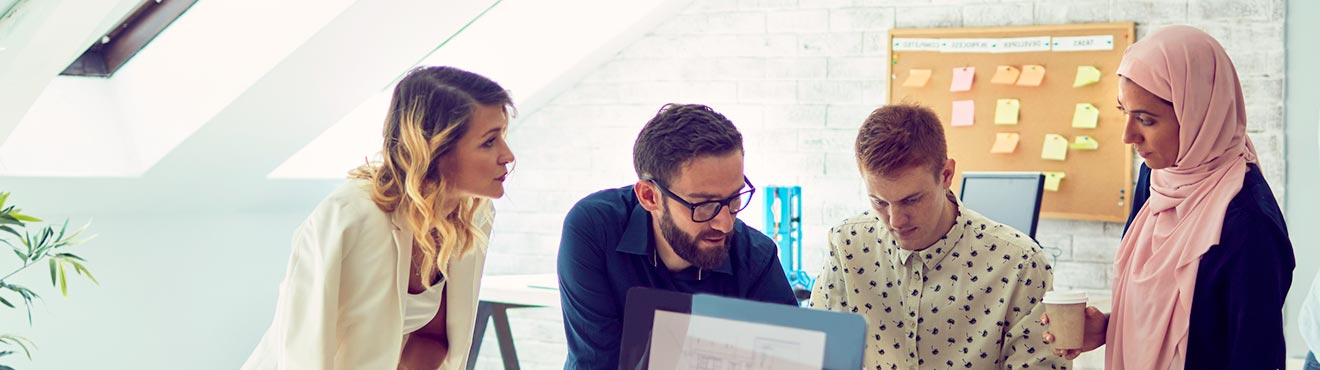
(941, 286)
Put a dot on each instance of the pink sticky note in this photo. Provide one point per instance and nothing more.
(962, 79)
(963, 111)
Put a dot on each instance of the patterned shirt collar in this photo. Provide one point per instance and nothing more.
(934, 254)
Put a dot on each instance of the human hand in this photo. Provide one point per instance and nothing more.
(1093, 334)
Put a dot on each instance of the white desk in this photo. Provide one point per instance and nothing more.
(499, 293)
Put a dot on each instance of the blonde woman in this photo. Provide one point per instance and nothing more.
(384, 274)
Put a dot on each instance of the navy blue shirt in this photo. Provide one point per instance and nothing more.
(607, 248)
(1237, 305)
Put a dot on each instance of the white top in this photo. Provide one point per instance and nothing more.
(419, 309)
(342, 302)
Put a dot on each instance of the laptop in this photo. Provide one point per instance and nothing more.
(734, 333)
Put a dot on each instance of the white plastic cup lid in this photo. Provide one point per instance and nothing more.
(1064, 297)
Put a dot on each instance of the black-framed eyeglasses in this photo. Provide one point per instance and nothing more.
(706, 211)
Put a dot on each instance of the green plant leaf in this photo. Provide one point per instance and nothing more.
(6, 353)
(72, 239)
(70, 256)
(64, 281)
(10, 230)
(4, 195)
(46, 233)
(22, 343)
(52, 272)
(78, 267)
(6, 302)
(63, 227)
(27, 294)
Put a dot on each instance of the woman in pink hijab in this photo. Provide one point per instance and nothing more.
(1205, 263)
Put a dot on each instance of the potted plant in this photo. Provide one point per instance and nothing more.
(34, 246)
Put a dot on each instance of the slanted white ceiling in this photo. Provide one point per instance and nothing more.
(535, 49)
(236, 91)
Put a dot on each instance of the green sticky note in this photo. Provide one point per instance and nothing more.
(1084, 143)
(1086, 75)
(1006, 112)
(1056, 147)
(1085, 116)
(1052, 180)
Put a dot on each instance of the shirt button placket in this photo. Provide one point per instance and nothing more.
(915, 289)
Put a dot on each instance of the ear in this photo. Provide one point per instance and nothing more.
(946, 174)
(647, 195)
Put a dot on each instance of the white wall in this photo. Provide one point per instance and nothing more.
(797, 78)
(195, 288)
(178, 291)
(1303, 92)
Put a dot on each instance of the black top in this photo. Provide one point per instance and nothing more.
(1237, 308)
(606, 248)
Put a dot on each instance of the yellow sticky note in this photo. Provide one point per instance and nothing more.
(917, 78)
(1006, 112)
(1084, 143)
(1085, 116)
(1052, 180)
(1005, 142)
(962, 79)
(1005, 75)
(1086, 75)
(1056, 147)
(963, 113)
(1032, 75)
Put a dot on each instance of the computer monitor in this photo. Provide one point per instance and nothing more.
(1010, 198)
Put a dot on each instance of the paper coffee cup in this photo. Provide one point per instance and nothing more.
(1067, 311)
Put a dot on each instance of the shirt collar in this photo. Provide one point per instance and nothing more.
(636, 239)
(933, 255)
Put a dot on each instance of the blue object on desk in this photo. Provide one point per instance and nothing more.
(783, 223)
(845, 333)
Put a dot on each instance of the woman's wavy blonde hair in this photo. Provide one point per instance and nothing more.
(429, 112)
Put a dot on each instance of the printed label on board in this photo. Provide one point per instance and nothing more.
(1084, 43)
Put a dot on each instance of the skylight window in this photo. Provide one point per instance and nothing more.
(129, 36)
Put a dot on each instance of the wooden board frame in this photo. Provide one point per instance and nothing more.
(1098, 184)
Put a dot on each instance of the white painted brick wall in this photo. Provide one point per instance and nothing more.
(826, 44)
(985, 15)
(857, 68)
(795, 68)
(861, 19)
(798, 21)
(928, 16)
(1056, 12)
(1146, 12)
(798, 77)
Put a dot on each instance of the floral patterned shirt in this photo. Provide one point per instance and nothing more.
(972, 300)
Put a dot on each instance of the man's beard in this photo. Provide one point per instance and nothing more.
(685, 246)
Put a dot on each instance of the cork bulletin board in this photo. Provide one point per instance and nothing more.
(1091, 179)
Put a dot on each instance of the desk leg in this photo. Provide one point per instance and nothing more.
(478, 332)
(505, 336)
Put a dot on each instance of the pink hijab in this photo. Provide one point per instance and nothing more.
(1157, 260)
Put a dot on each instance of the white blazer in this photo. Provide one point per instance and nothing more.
(341, 303)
